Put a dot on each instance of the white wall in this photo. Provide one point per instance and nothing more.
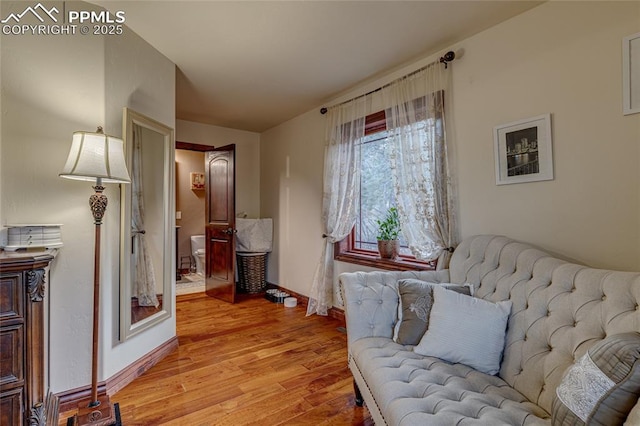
(291, 192)
(51, 87)
(562, 58)
(247, 158)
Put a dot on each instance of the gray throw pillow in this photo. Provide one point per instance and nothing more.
(416, 300)
(602, 387)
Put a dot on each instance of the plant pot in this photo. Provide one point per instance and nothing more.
(388, 249)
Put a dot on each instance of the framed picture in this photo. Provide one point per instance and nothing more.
(631, 74)
(197, 180)
(523, 150)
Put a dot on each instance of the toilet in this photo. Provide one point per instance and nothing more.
(197, 251)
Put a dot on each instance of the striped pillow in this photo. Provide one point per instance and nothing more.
(603, 386)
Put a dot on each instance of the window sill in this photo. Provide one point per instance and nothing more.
(374, 261)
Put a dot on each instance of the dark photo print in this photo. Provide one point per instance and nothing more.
(522, 152)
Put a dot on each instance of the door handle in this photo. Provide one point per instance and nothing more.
(229, 231)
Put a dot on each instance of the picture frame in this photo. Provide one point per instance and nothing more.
(631, 74)
(197, 180)
(523, 151)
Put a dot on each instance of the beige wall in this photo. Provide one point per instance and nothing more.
(189, 202)
(562, 58)
(60, 100)
(291, 194)
(51, 87)
(247, 158)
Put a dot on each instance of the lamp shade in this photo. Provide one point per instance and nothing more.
(96, 155)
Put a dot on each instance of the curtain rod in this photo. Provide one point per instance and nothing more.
(445, 59)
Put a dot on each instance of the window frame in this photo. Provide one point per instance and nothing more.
(345, 250)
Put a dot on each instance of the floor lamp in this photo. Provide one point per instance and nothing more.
(100, 158)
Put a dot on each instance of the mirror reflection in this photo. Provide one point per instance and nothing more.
(145, 277)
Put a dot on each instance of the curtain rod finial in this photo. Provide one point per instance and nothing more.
(323, 110)
(448, 57)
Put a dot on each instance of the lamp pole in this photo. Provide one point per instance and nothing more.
(98, 204)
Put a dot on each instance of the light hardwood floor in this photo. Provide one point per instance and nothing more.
(254, 362)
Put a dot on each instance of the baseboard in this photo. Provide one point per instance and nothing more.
(69, 399)
(138, 368)
(335, 313)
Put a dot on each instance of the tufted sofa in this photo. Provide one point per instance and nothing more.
(559, 311)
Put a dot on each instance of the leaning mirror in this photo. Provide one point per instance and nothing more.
(146, 236)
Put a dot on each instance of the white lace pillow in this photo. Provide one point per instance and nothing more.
(466, 330)
(602, 387)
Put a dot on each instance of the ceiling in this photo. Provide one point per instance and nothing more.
(251, 65)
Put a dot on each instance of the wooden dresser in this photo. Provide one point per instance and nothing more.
(22, 338)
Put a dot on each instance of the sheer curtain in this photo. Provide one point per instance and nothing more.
(345, 128)
(419, 161)
(144, 282)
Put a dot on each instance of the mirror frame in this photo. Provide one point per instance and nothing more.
(127, 329)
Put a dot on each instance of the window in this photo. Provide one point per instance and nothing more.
(376, 192)
(376, 196)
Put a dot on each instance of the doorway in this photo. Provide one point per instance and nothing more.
(190, 217)
(205, 220)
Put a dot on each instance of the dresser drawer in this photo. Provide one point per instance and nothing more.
(11, 356)
(11, 403)
(12, 293)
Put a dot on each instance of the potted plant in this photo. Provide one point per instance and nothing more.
(388, 231)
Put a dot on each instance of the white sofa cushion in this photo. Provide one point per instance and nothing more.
(411, 389)
(466, 330)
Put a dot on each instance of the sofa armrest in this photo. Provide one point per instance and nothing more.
(371, 300)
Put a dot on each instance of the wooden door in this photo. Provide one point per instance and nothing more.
(220, 213)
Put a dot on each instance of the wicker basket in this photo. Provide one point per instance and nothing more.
(252, 272)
